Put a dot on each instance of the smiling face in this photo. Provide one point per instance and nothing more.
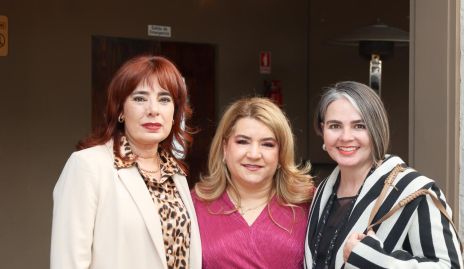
(148, 112)
(346, 137)
(251, 154)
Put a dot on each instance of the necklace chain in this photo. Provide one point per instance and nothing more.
(337, 231)
(324, 219)
(243, 210)
(151, 171)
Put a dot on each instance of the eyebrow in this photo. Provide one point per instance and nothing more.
(139, 92)
(143, 92)
(249, 138)
(337, 121)
(164, 93)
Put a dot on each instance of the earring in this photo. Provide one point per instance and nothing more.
(121, 118)
(324, 148)
(278, 166)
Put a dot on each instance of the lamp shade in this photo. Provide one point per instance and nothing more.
(374, 32)
(374, 39)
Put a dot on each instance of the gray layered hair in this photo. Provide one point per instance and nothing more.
(368, 104)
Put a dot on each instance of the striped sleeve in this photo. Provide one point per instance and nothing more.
(431, 240)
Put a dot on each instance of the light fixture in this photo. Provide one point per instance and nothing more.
(375, 42)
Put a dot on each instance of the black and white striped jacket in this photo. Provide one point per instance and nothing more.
(417, 236)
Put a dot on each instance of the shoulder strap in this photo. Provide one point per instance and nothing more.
(388, 182)
(411, 198)
(404, 202)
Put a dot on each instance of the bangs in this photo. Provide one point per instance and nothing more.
(168, 78)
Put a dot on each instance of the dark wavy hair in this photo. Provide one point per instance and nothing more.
(138, 70)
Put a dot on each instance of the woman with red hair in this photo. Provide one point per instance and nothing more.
(122, 200)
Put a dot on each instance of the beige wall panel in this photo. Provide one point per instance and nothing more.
(434, 113)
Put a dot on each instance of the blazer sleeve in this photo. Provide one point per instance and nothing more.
(75, 200)
(432, 240)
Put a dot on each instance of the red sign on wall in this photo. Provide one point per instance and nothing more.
(265, 62)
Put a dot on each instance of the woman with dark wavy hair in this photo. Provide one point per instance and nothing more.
(122, 200)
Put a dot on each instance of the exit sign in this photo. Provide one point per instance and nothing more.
(3, 35)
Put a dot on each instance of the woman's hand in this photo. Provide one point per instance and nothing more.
(351, 242)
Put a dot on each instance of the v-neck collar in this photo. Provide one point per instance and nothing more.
(228, 201)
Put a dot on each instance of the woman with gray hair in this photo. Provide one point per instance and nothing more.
(373, 211)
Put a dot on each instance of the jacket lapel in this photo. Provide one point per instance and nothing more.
(139, 192)
(358, 220)
(195, 247)
(320, 199)
(327, 190)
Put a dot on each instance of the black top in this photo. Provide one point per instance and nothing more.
(336, 220)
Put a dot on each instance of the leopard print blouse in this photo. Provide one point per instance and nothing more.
(175, 220)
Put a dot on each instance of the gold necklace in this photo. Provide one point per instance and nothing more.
(149, 171)
(243, 210)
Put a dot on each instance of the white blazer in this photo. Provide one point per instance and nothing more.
(104, 218)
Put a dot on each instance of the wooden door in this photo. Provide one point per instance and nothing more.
(195, 62)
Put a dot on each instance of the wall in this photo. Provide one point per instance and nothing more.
(435, 92)
(45, 87)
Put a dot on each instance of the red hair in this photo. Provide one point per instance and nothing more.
(138, 70)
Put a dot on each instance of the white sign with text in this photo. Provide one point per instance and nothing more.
(159, 30)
